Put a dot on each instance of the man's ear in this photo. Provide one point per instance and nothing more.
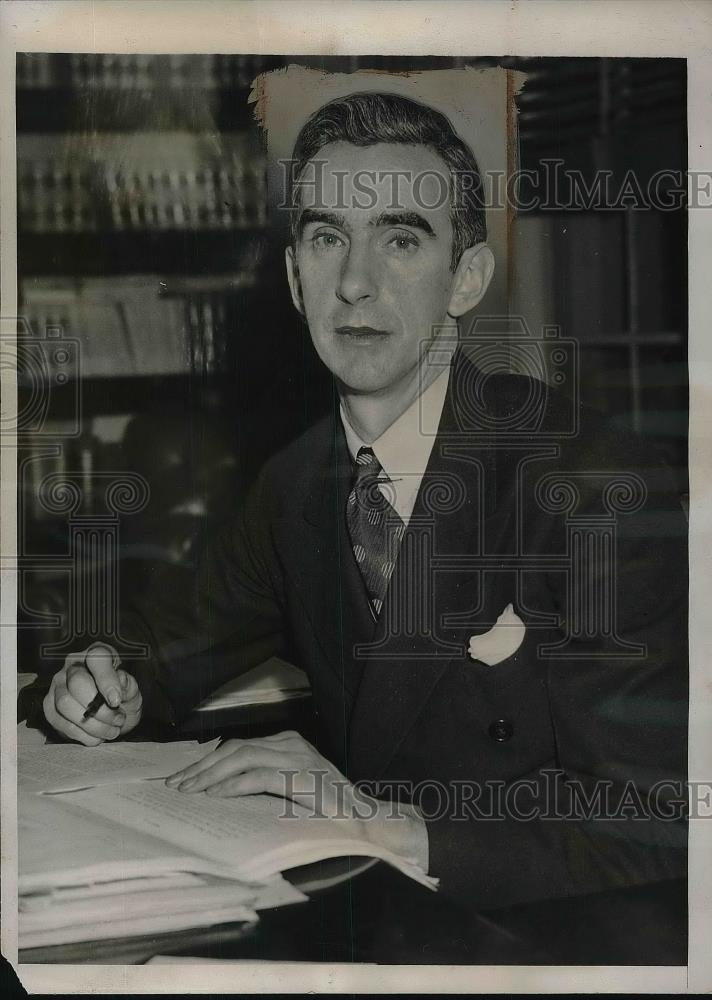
(472, 277)
(295, 285)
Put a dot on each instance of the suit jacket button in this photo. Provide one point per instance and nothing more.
(501, 731)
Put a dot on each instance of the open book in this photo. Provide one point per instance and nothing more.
(67, 767)
(116, 839)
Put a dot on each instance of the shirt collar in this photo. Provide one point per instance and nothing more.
(404, 448)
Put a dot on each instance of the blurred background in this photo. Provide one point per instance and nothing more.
(157, 333)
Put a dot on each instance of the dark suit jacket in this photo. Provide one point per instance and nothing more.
(412, 710)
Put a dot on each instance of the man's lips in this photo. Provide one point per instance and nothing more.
(360, 331)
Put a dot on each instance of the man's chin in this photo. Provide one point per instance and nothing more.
(365, 381)
(360, 374)
(364, 391)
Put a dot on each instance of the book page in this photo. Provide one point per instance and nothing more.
(254, 835)
(62, 845)
(67, 767)
(226, 829)
(120, 829)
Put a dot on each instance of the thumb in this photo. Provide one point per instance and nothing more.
(100, 660)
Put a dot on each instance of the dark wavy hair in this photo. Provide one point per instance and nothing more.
(368, 118)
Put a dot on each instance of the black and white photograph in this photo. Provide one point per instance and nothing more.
(355, 504)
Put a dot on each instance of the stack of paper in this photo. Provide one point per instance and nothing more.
(85, 877)
(107, 851)
(273, 681)
(143, 905)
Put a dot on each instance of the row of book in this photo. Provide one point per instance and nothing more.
(124, 326)
(104, 328)
(59, 198)
(104, 70)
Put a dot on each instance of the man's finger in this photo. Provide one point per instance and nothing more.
(129, 686)
(100, 662)
(81, 686)
(71, 710)
(66, 728)
(224, 750)
(244, 759)
(73, 660)
(260, 779)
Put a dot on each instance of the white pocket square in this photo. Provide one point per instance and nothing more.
(502, 640)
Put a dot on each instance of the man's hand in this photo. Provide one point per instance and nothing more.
(287, 765)
(84, 675)
(284, 764)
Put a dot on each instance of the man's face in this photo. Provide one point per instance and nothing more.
(373, 268)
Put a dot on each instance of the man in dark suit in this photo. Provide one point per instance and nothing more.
(485, 585)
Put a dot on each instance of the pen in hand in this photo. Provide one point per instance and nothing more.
(99, 652)
(93, 706)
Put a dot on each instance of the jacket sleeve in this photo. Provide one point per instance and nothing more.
(229, 620)
(611, 811)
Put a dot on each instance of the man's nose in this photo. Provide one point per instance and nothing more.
(357, 280)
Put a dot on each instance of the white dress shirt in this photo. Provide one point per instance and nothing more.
(404, 448)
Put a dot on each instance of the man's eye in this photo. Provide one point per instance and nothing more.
(327, 241)
(403, 242)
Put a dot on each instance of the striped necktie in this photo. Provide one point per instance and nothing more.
(374, 526)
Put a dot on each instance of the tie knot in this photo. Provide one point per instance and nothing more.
(366, 478)
(367, 465)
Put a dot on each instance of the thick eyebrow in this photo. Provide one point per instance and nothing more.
(411, 219)
(325, 218)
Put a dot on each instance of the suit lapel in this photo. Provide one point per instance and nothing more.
(330, 586)
(414, 641)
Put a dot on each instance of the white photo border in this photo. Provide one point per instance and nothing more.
(636, 28)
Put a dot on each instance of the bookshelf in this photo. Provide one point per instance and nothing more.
(141, 205)
(142, 223)
(156, 181)
(113, 71)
